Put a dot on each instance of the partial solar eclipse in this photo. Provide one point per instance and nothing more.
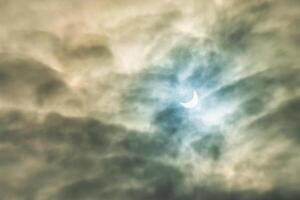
(192, 103)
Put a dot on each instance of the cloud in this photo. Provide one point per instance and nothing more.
(90, 98)
(25, 78)
(75, 158)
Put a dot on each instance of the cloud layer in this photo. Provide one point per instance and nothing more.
(90, 96)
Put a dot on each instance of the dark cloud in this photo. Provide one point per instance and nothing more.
(23, 78)
(84, 47)
(79, 158)
(65, 147)
(236, 29)
(281, 121)
(89, 51)
(210, 146)
(171, 119)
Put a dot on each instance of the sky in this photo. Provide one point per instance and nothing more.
(91, 97)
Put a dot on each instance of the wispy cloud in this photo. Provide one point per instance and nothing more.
(90, 96)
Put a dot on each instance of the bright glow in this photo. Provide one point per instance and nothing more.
(215, 116)
(193, 102)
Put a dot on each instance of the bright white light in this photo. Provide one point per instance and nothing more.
(192, 103)
(215, 116)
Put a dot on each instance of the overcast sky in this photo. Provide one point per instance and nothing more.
(91, 93)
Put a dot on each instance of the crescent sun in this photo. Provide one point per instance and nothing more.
(192, 103)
